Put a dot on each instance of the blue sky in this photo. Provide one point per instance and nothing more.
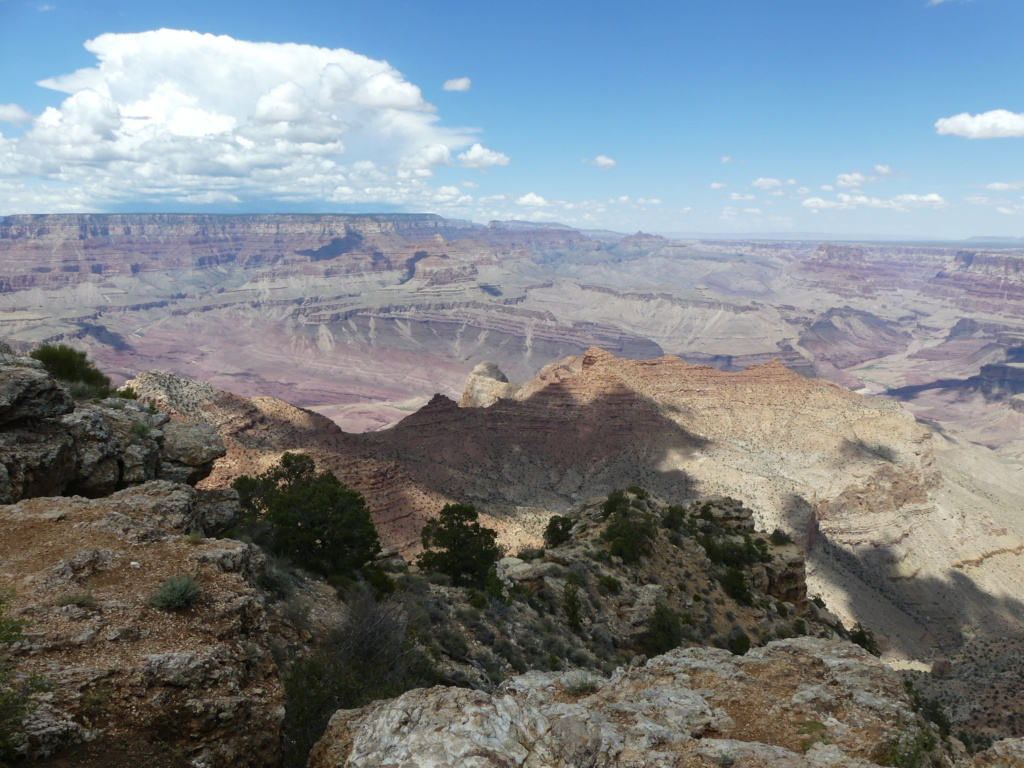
(902, 118)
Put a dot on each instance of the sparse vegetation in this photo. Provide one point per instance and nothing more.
(580, 685)
(557, 531)
(73, 367)
(308, 517)
(373, 656)
(81, 599)
(459, 547)
(865, 638)
(176, 594)
(15, 690)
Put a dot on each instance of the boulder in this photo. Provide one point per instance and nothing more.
(27, 392)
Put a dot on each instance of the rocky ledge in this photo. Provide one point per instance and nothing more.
(51, 446)
(793, 703)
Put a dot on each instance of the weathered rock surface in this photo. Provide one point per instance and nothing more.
(49, 447)
(130, 679)
(26, 392)
(792, 704)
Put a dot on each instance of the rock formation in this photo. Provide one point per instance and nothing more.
(793, 703)
(49, 447)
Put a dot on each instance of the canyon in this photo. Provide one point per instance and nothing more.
(364, 317)
(862, 398)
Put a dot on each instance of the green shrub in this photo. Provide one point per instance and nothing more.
(664, 631)
(73, 367)
(176, 593)
(739, 644)
(557, 532)
(617, 501)
(611, 584)
(81, 599)
(572, 605)
(800, 627)
(580, 685)
(735, 585)
(865, 638)
(125, 393)
(457, 545)
(140, 430)
(674, 517)
(630, 533)
(309, 518)
(779, 537)
(637, 491)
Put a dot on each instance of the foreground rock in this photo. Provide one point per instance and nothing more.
(792, 704)
(50, 445)
(131, 682)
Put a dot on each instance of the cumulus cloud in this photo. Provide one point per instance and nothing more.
(725, 159)
(12, 113)
(602, 162)
(179, 115)
(531, 198)
(718, 185)
(995, 124)
(883, 170)
(738, 196)
(1002, 186)
(478, 156)
(457, 84)
(847, 202)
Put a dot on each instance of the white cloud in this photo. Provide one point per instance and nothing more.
(718, 185)
(827, 187)
(850, 179)
(479, 157)
(457, 84)
(601, 161)
(1002, 186)
(755, 211)
(803, 191)
(179, 115)
(883, 170)
(725, 159)
(996, 124)
(763, 183)
(12, 113)
(940, 2)
(738, 196)
(846, 202)
(531, 198)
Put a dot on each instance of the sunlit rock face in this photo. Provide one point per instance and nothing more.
(792, 704)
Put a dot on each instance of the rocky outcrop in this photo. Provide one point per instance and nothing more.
(28, 392)
(127, 679)
(792, 704)
(50, 447)
(486, 385)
